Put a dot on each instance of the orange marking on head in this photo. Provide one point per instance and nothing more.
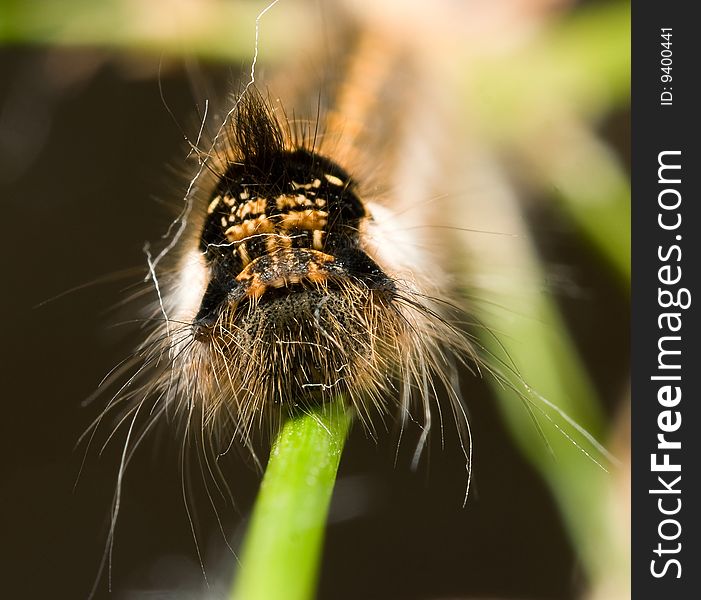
(321, 257)
(252, 207)
(315, 272)
(277, 242)
(287, 201)
(248, 228)
(256, 289)
(309, 219)
(271, 244)
(278, 273)
(317, 276)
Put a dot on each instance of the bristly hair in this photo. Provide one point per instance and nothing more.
(284, 292)
(256, 135)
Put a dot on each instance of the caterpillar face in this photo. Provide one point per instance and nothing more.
(285, 224)
(286, 293)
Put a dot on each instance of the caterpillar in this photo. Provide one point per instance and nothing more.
(287, 298)
(288, 284)
(290, 280)
(290, 277)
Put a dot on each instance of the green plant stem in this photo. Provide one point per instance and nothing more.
(282, 549)
(524, 331)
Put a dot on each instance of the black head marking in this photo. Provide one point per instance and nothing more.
(274, 200)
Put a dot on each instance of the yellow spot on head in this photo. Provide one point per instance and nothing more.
(333, 180)
(252, 207)
(285, 201)
(306, 186)
(213, 204)
(243, 253)
(318, 239)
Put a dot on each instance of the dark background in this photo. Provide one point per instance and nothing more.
(85, 144)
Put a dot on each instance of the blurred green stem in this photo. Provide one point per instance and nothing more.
(597, 198)
(215, 29)
(526, 339)
(282, 550)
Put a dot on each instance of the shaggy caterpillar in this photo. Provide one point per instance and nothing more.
(286, 293)
(287, 284)
(291, 278)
